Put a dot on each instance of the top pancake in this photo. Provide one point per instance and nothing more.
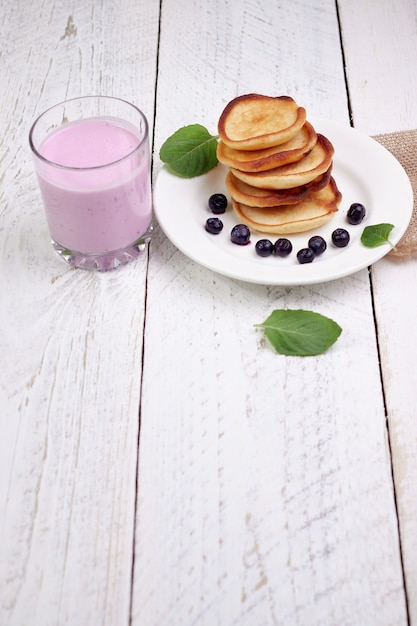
(276, 156)
(256, 122)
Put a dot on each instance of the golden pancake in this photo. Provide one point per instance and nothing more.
(258, 197)
(311, 213)
(269, 158)
(302, 172)
(256, 122)
(321, 181)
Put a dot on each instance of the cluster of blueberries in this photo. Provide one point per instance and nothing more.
(240, 233)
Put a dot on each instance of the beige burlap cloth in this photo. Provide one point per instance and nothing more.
(403, 145)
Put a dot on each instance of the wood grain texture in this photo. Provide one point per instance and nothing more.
(252, 510)
(70, 342)
(265, 492)
(395, 306)
(380, 40)
(384, 101)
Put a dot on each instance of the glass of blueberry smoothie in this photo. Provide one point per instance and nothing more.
(92, 160)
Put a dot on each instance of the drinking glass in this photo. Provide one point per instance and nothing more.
(92, 160)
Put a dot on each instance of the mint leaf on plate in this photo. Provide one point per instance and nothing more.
(376, 235)
(190, 151)
(295, 332)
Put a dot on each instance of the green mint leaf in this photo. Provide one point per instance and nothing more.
(190, 151)
(300, 333)
(376, 235)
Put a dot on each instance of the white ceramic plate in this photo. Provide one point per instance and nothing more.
(364, 172)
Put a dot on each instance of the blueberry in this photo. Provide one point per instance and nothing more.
(340, 237)
(317, 244)
(305, 255)
(214, 225)
(356, 213)
(240, 234)
(264, 247)
(217, 203)
(283, 247)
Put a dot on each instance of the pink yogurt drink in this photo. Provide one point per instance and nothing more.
(94, 177)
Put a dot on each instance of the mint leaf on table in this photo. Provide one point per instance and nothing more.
(295, 332)
(376, 235)
(190, 151)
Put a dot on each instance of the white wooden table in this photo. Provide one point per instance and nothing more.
(158, 465)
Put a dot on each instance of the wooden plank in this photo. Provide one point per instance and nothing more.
(265, 492)
(71, 342)
(380, 35)
(385, 102)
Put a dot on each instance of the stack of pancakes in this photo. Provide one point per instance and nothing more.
(280, 168)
